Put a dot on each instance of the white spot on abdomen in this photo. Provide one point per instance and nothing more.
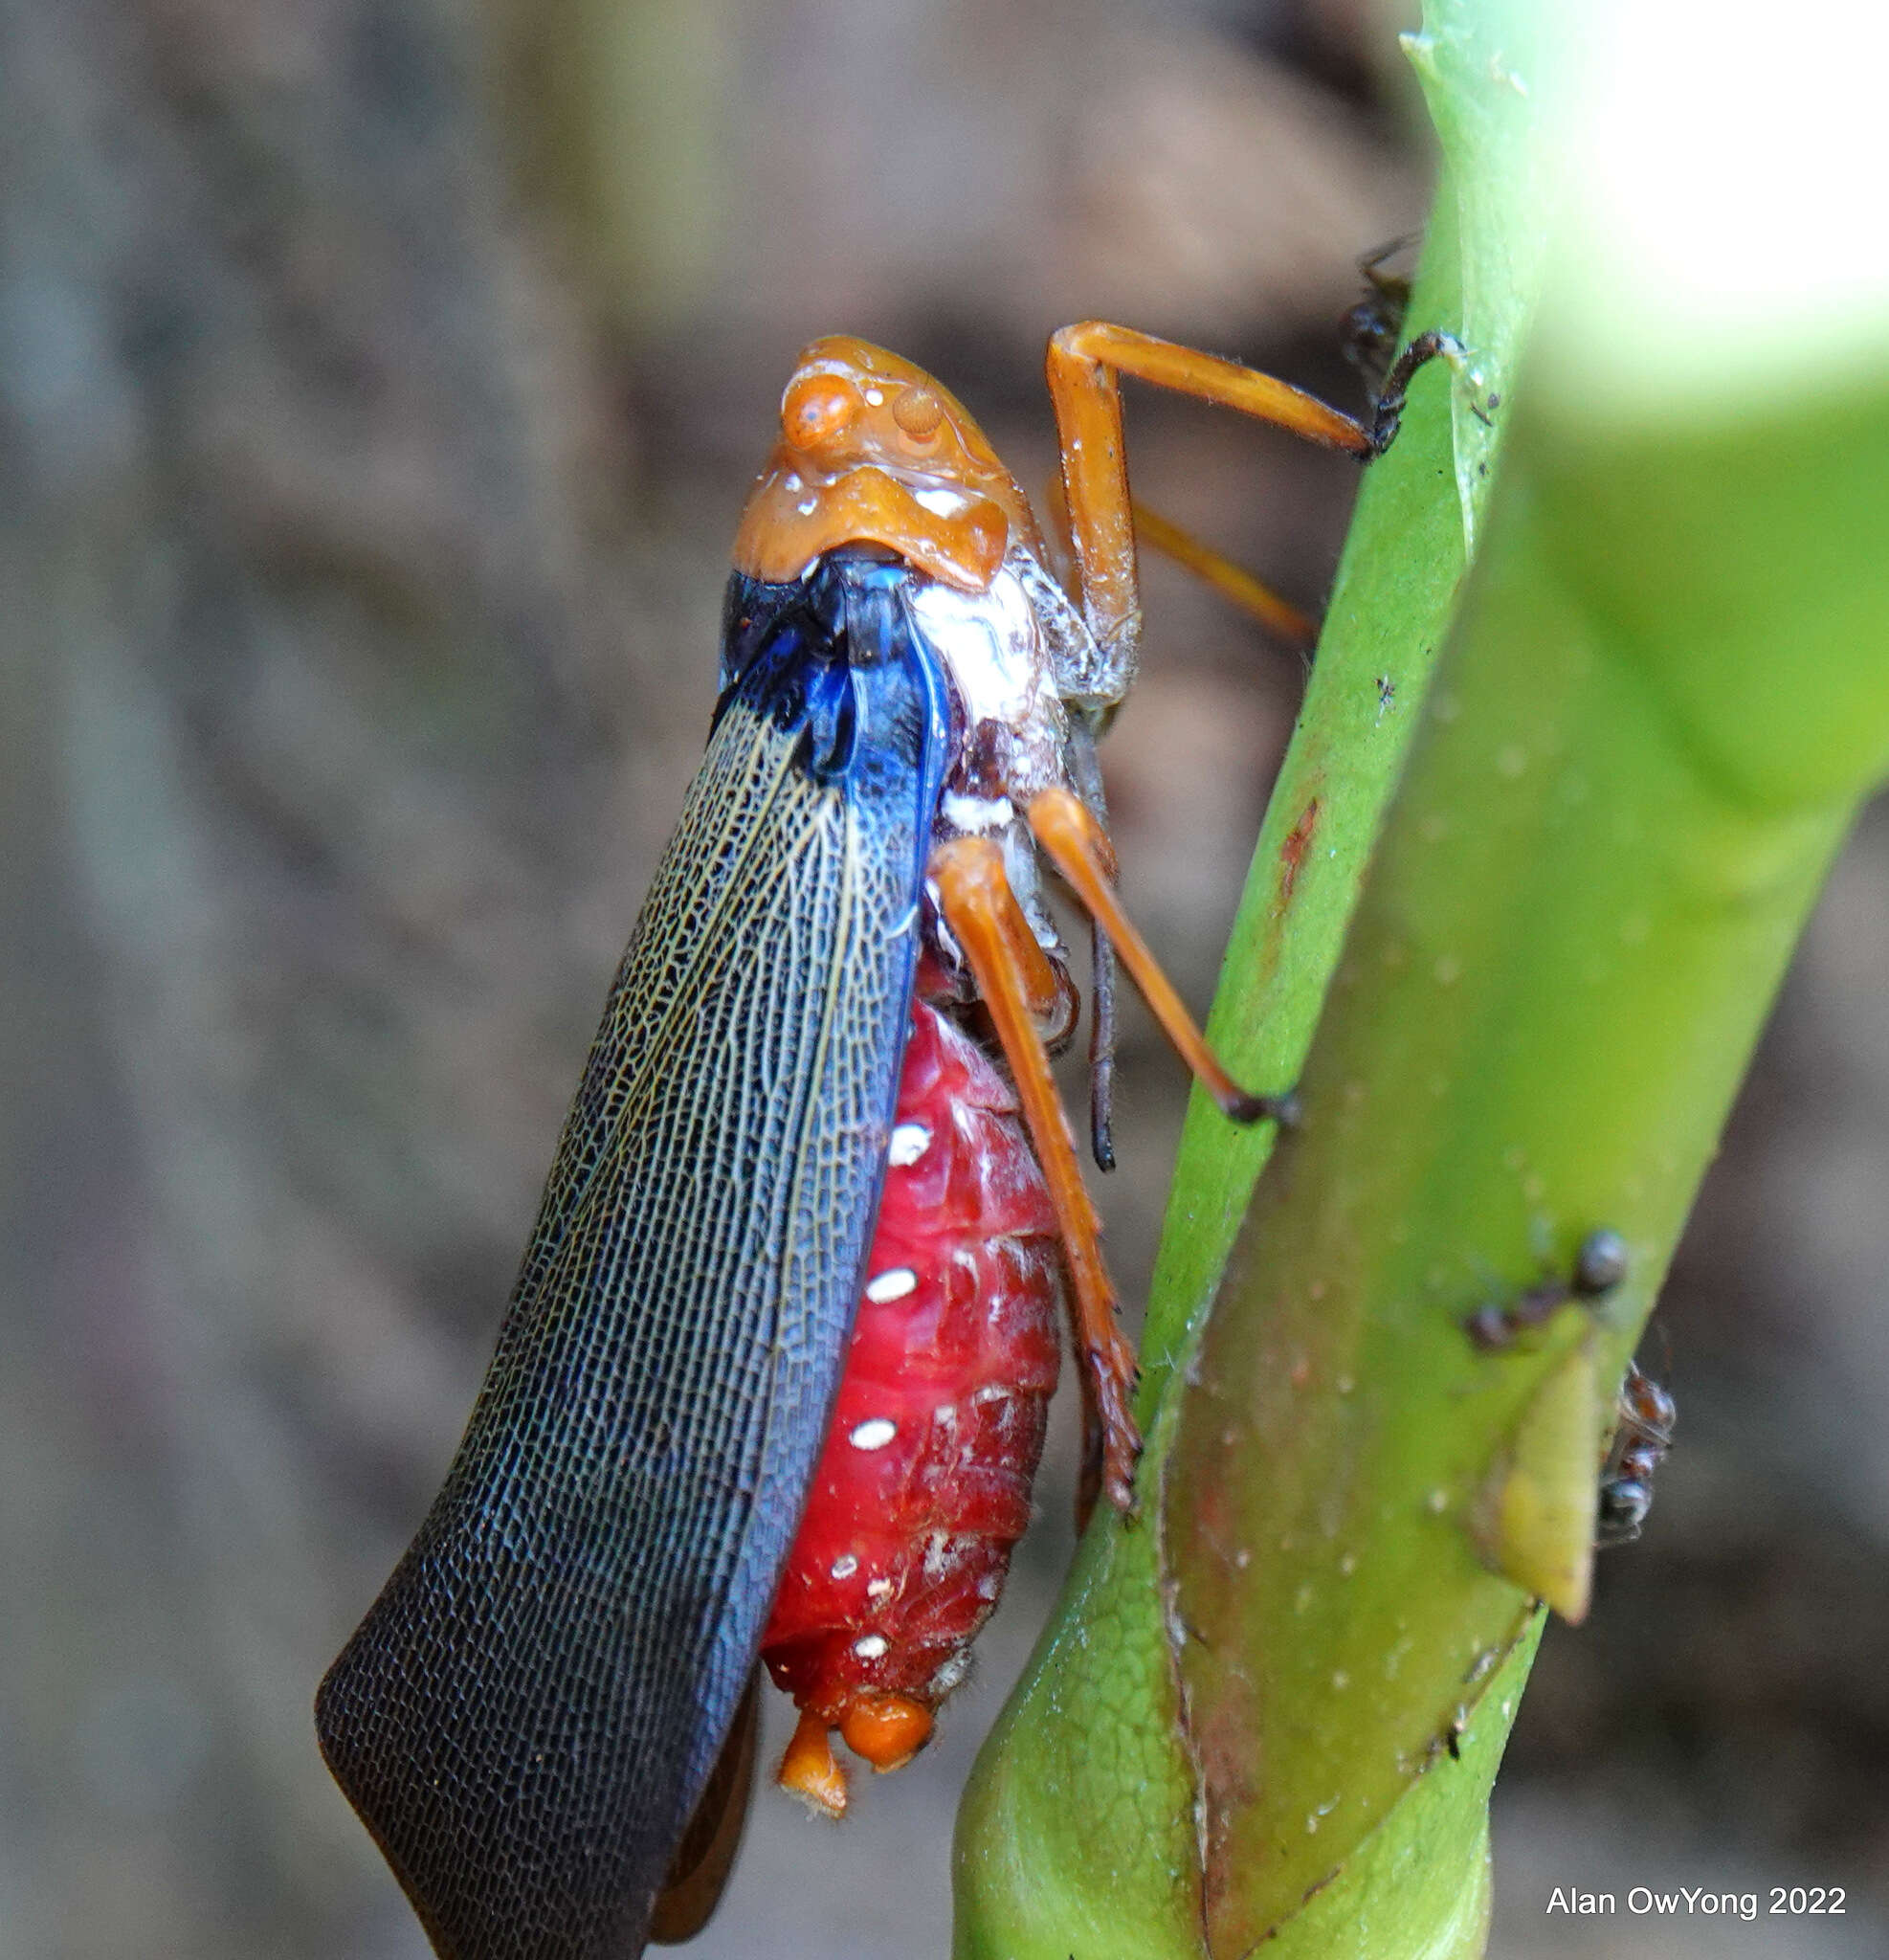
(890, 1285)
(910, 1141)
(872, 1434)
(844, 1565)
(870, 1646)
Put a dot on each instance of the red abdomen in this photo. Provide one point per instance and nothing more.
(923, 1486)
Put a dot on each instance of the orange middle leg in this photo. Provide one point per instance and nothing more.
(1280, 616)
(1258, 600)
(1017, 985)
(1080, 849)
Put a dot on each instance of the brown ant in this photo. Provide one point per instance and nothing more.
(1373, 326)
(1600, 1264)
(1644, 1435)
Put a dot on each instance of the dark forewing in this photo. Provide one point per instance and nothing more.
(528, 1713)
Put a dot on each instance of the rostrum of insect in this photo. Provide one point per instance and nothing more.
(772, 1386)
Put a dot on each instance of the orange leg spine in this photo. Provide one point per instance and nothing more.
(986, 920)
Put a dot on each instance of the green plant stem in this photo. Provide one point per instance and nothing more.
(1656, 718)
(1576, 924)
(1272, 1708)
(1078, 1832)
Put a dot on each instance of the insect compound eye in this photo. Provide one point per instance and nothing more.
(917, 413)
(818, 410)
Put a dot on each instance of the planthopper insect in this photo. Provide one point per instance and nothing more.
(771, 1384)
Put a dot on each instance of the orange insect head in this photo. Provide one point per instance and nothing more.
(874, 451)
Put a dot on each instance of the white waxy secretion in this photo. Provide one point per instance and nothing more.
(894, 1284)
(873, 1434)
(942, 501)
(990, 641)
(869, 1646)
(977, 816)
(910, 1141)
(844, 1565)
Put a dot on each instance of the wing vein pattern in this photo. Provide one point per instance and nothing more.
(528, 1713)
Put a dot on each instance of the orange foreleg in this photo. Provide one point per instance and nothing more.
(1085, 366)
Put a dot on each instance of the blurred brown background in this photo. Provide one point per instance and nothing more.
(379, 383)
